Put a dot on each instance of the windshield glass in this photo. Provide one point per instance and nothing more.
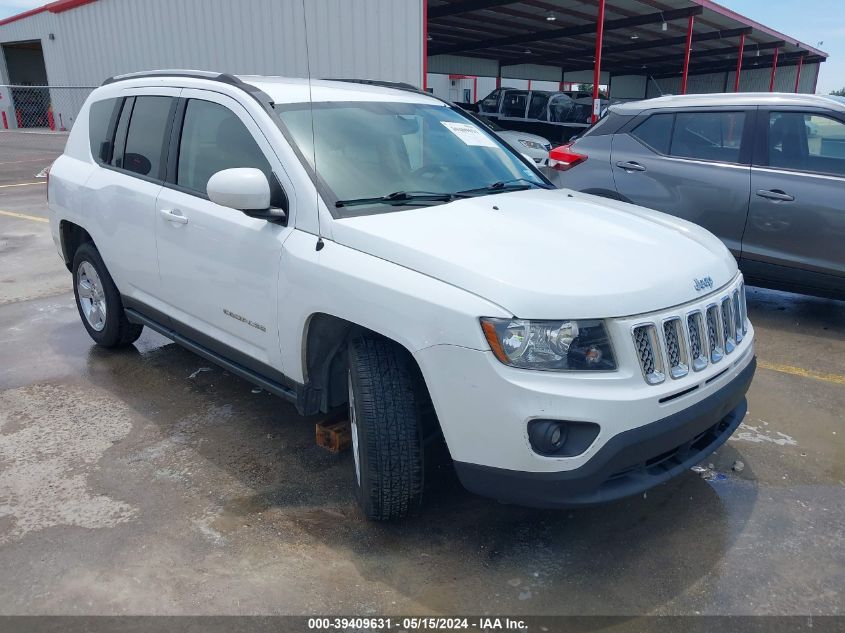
(374, 149)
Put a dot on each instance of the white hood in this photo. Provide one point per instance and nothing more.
(549, 254)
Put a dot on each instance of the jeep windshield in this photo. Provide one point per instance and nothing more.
(375, 157)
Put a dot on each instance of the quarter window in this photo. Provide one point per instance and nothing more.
(99, 120)
(656, 132)
(213, 139)
(145, 137)
(807, 142)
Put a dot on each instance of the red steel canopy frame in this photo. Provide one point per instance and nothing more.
(597, 64)
(798, 72)
(425, 45)
(774, 71)
(739, 62)
(686, 54)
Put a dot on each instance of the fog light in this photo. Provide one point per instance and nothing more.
(561, 438)
(547, 436)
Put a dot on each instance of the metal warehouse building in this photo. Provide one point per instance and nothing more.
(459, 49)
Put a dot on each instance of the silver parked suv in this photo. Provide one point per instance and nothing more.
(764, 172)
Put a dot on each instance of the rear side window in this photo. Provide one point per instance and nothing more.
(656, 132)
(145, 138)
(213, 139)
(708, 135)
(807, 142)
(99, 127)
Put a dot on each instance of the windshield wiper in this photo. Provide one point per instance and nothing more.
(506, 185)
(402, 197)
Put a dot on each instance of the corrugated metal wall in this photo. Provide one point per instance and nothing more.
(376, 39)
(750, 80)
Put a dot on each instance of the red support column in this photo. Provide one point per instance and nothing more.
(739, 62)
(686, 54)
(798, 72)
(425, 45)
(529, 84)
(774, 71)
(474, 89)
(597, 63)
(498, 81)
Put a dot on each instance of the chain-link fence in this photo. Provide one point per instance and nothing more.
(45, 108)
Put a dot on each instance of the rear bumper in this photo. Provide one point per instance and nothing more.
(630, 462)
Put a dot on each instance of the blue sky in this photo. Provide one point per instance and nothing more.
(809, 21)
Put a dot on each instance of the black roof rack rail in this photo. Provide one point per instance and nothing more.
(397, 85)
(168, 72)
(259, 95)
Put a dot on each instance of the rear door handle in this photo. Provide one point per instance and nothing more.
(173, 215)
(775, 194)
(630, 165)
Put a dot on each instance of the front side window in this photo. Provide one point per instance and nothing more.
(514, 103)
(490, 103)
(807, 142)
(708, 135)
(214, 139)
(372, 149)
(145, 138)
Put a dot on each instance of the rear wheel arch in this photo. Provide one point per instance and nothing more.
(72, 237)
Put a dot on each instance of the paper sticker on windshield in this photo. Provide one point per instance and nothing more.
(469, 134)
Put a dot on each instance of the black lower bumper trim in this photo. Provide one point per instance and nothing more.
(629, 463)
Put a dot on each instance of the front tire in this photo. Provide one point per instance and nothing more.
(98, 301)
(385, 416)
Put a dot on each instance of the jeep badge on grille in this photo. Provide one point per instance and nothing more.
(704, 282)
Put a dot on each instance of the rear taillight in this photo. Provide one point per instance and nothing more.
(563, 158)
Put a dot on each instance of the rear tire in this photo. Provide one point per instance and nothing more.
(384, 411)
(98, 301)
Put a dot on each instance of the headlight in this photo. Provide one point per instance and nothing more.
(550, 345)
(531, 144)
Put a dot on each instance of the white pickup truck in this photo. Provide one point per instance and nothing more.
(346, 244)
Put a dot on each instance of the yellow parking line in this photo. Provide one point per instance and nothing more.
(23, 216)
(23, 184)
(804, 373)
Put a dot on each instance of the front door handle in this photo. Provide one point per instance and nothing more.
(775, 194)
(630, 165)
(173, 215)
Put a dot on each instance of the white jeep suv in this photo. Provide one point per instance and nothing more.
(395, 256)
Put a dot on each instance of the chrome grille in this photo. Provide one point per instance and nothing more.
(651, 363)
(670, 344)
(739, 322)
(728, 325)
(676, 352)
(714, 334)
(695, 326)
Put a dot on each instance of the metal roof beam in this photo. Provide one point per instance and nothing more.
(728, 50)
(566, 57)
(569, 31)
(464, 7)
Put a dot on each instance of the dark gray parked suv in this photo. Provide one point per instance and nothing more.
(765, 172)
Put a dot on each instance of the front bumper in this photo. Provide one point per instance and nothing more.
(628, 463)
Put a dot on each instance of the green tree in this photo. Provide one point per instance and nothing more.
(838, 93)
